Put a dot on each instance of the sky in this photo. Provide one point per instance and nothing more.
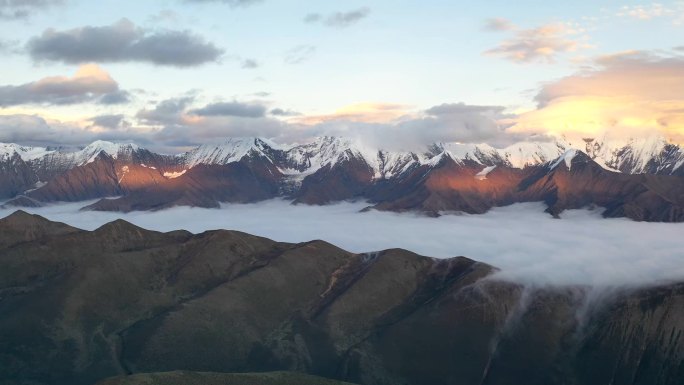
(172, 74)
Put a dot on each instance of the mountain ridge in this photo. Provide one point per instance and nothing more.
(83, 306)
(474, 178)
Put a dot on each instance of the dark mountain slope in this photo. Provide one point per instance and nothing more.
(185, 378)
(456, 186)
(77, 307)
(641, 197)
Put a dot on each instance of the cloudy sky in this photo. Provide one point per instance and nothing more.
(170, 74)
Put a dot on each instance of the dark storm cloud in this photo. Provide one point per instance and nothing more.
(123, 42)
(244, 110)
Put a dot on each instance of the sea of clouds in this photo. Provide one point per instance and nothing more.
(524, 242)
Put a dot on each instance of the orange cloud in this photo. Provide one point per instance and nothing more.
(543, 43)
(360, 112)
(629, 94)
(90, 83)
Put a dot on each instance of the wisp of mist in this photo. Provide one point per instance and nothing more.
(527, 244)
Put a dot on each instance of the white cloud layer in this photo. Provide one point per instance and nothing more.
(528, 245)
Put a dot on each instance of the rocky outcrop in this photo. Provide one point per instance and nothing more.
(78, 306)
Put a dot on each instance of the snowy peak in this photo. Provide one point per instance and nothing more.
(232, 150)
(648, 155)
(327, 151)
(566, 158)
(523, 154)
(481, 153)
(518, 155)
(89, 153)
(8, 150)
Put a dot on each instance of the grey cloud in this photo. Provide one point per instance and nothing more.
(250, 64)
(498, 24)
(461, 108)
(313, 18)
(21, 9)
(232, 3)
(299, 54)
(123, 42)
(35, 131)
(213, 128)
(345, 19)
(95, 86)
(339, 19)
(284, 113)
(167, 111)
(108, 121)
(245, 110)
(456, 122)
(116, 97)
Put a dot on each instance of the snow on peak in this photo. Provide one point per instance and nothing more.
(231, 150)
(481, 153)
(522, 154)
(26, 153)
(90, 152)
(639, 152)
(328, 151)
(567, 157)
(482, 175)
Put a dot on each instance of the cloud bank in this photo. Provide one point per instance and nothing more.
(528, 245)
(123, 42)
(90, 83)
(629, 94)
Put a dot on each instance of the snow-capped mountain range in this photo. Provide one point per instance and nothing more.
(443, 177)
(649, 155)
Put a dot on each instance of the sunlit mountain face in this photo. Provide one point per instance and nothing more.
(273, 192)
(641, 180)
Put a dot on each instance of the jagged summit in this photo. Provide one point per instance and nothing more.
(645, 155)
(26, 153)
(91, 151)
(446, 177)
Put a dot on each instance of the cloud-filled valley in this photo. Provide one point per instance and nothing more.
(528, 245)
